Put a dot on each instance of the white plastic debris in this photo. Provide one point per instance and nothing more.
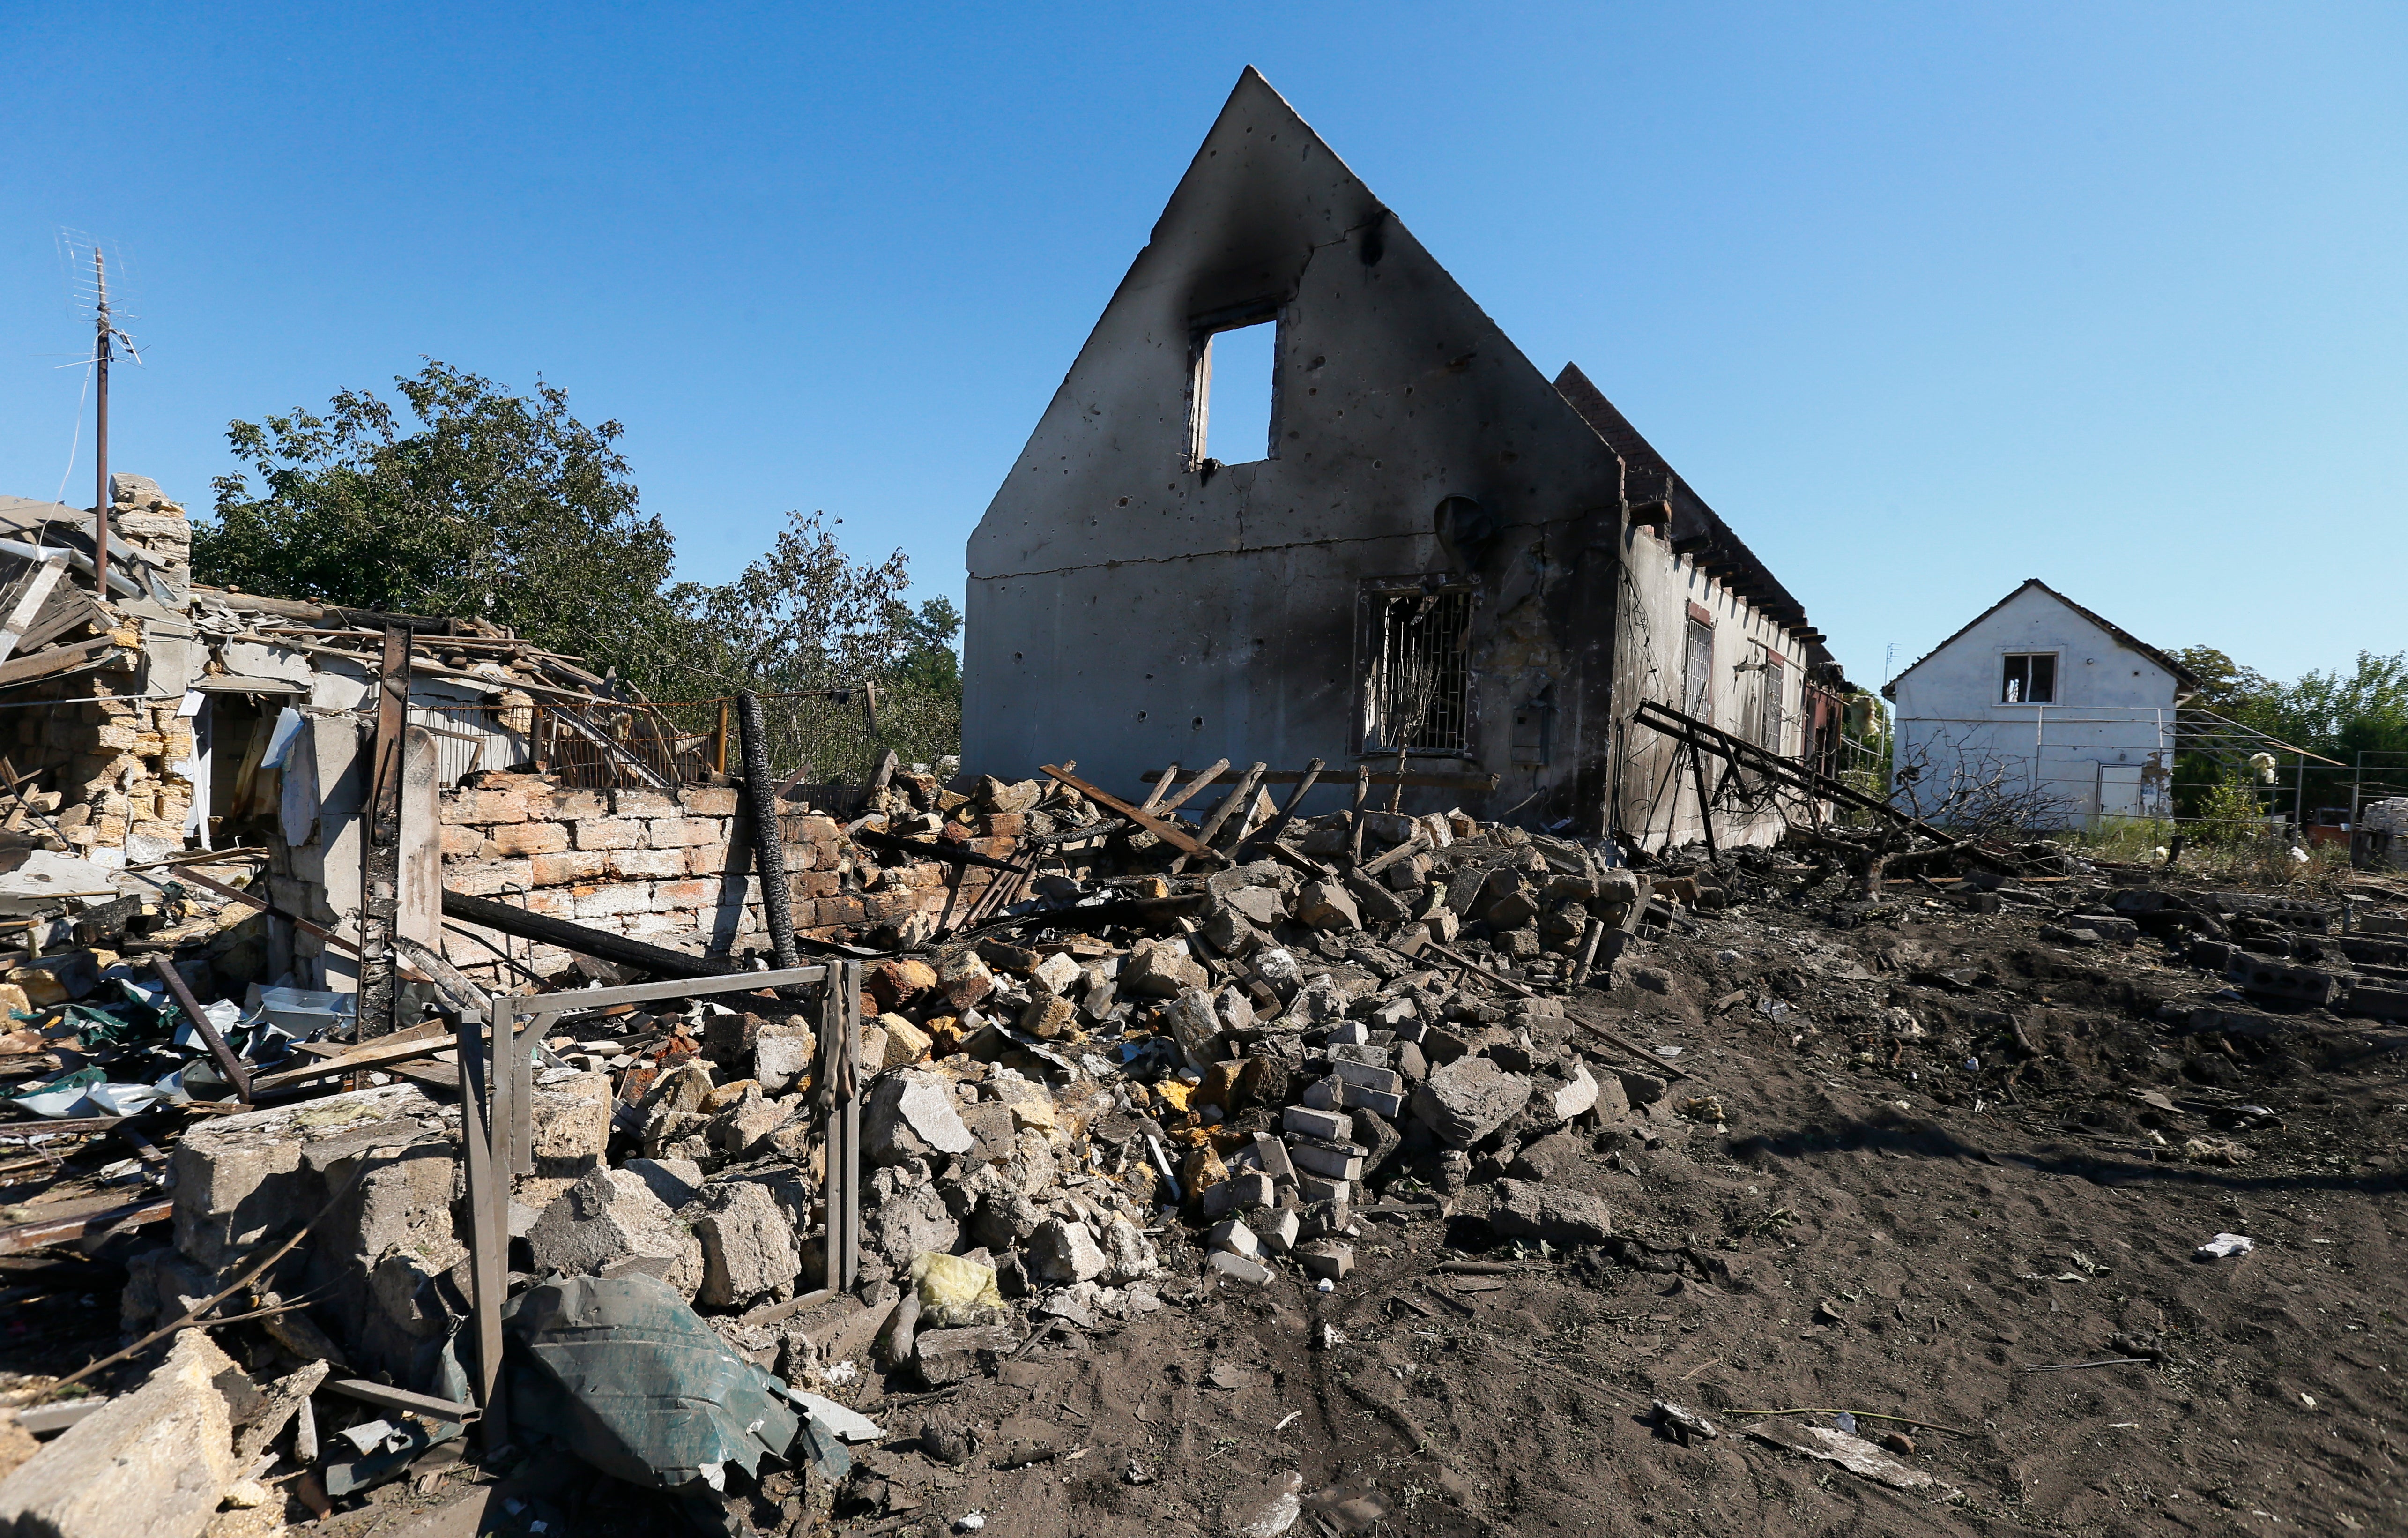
(2226, 1247)
(969, 1521)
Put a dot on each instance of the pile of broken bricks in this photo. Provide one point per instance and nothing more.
(1125, 1084)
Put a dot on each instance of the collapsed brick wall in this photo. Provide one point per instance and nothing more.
(116, 784)
(674, 870)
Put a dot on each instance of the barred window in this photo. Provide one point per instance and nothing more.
(1697, 672)
(1770, 719)
(1416, 694)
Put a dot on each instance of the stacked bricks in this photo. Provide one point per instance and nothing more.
(117, 761)
(668, 870)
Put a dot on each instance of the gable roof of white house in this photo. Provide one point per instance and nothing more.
(2183, 677)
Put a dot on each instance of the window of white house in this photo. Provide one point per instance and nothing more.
(1768, 717)
(1697, 671)
(1233, 392)
(2030, 679)
(1416, 689)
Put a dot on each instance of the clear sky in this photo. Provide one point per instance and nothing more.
(1926, 299)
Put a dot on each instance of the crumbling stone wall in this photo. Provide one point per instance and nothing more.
(117, 789)
(676, 869)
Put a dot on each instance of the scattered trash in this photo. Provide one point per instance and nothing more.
(1853, 1454)
(2226, 1247)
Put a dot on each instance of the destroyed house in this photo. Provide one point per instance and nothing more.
(233, 736)
(1411, 547)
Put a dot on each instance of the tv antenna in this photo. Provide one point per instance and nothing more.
(87, 266)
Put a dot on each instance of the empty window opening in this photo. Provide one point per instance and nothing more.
(1697, 672)
(1233, 393)
(1416, 696)
(2030, 679)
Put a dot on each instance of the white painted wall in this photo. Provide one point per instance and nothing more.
(1657, 589)
(2093, 749)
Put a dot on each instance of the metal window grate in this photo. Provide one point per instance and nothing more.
(1698, 673)
(1419, 689)
(1775, 681)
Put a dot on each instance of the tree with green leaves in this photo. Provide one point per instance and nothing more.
(466, 499)
(481, 504)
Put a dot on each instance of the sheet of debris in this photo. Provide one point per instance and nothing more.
(1357, 1173)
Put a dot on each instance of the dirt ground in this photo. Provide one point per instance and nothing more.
(1931, 1167)
(1900, 1237)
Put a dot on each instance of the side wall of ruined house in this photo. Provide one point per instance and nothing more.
(670, 871)
(1129, 607)
(1654, 804)
(114, 770)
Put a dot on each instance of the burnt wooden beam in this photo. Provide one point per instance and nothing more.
(602, 946)
(938, 849)
(380, 846)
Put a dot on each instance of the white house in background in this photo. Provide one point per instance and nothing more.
(2049, 698)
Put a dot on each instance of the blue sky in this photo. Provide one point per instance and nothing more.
(1926, 299)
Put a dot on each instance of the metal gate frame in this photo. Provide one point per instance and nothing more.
(498, 1130)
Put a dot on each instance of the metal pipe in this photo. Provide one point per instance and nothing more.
(100, 497)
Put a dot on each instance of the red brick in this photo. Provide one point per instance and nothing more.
(673, 895)
(462, 843)
(1006, 825)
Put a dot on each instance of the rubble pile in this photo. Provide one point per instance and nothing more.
(1107, 1078)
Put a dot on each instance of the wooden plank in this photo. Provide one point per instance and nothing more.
(1424, 782)
(1204, 776)
(381, 843)
(65, 1230)
(1237, 800)
(59, 659)
(228, 1064)
(399, 1399)
(1270, 831)
(1174, 837)
(385, 1053)
(238, 895)
(38, 590)
(489, 1254)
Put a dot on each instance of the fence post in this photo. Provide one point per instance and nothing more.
(719, 749)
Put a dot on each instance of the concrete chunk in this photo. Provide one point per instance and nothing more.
(748, 1245)
(153, 1463)
(1469, 1099)
(610, 1221)
(1237, 1268)
(1529, 1210)
(1326, 905)
(1336, 1160)
(1329, 1125)
(1326, 1260)
(1067, 1251)
(910, 1115)
(948, 1356)
(1234, 1238)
